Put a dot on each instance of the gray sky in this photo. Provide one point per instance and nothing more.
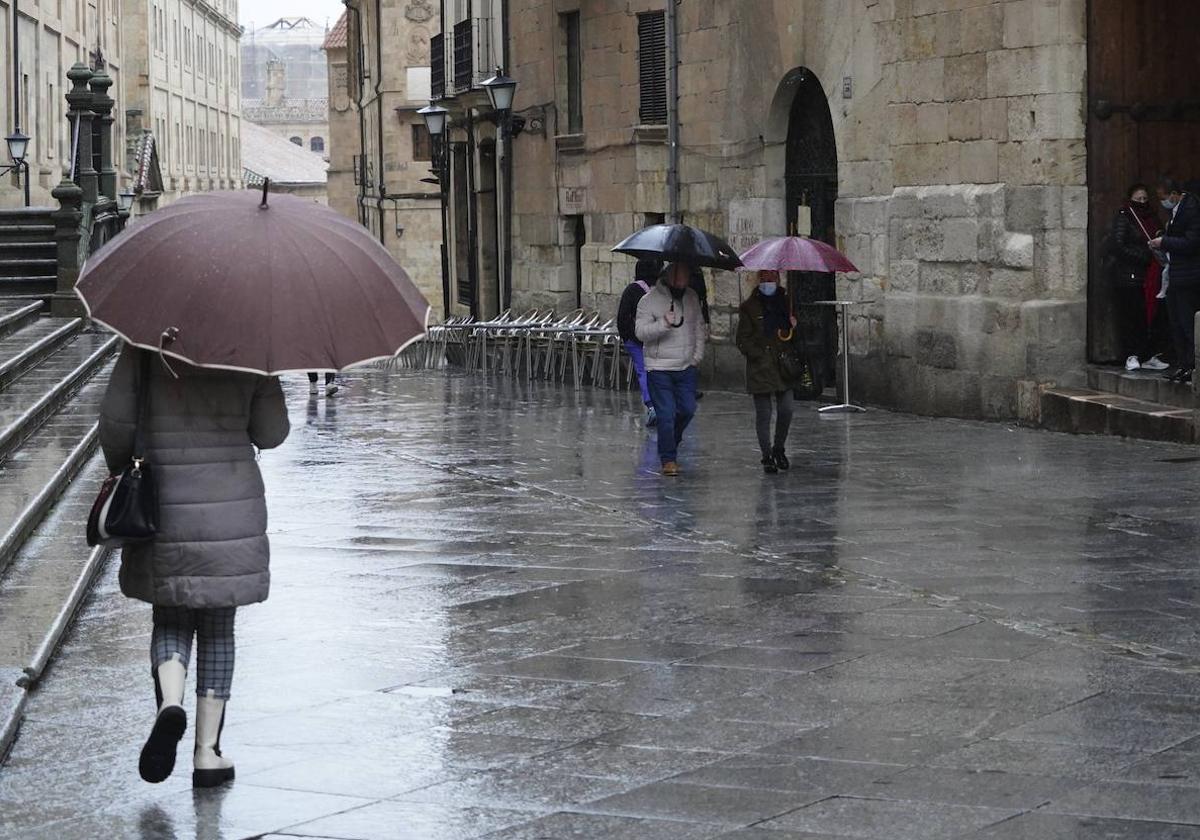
(262, 12)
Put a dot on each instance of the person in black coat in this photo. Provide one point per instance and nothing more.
(1181, 244)
(645, 275)
(1135, 275)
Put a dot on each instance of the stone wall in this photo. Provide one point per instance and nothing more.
(962, 196)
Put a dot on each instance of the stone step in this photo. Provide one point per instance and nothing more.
(33, 287)
(1141, 385)
(40, 593)
(26, 347)
(30, 232)
(40, 392)
(15, 314)
(44, 575)
(33, 477)
(22, 267)
(1088, 411)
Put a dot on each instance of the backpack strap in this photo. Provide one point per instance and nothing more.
(645, 286)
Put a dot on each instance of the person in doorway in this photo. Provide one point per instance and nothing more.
(645, 275)
(1136, 277)
(671, 328)
(331, 386)
(203, 429)
(1180, 244)
(765, 325)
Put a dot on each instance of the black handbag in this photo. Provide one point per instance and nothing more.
(126, 509)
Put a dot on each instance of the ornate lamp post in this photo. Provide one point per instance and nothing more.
(435, 117)
(501, 91)
(18, 147)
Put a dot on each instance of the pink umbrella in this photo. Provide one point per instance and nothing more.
(795, 253)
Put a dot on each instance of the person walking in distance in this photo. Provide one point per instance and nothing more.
(645, 274)
(203, 429)
(331, 386)
(671, 328)
(1181, 276)
(765, 325)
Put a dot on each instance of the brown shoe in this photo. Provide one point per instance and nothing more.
(670, 468)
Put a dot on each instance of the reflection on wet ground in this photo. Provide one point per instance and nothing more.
(491, 618)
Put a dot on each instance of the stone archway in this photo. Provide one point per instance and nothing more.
(802, 160)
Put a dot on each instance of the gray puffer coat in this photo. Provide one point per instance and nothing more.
(211, 550)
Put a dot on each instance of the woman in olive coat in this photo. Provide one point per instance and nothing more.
(211, 554)
(765, 326)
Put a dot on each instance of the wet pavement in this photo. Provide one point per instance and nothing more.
(490, 617)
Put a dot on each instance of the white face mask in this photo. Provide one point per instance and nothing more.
(1169, 204)
(768, 289)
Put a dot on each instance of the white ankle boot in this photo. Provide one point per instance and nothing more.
(158, 755)
(210, 767)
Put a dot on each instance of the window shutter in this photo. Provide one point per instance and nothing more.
(652, 67)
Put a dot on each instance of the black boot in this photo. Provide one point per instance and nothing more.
(768, 465)
(781, 460)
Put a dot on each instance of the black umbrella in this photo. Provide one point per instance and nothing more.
(680, 243)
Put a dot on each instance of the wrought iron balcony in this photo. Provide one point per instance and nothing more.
(437, 66)
(464, 59)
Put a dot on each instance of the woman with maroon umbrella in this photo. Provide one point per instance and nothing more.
(215, 297)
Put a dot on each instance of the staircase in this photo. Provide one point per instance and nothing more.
(28, 252)
(1130, 404)
(53, 372)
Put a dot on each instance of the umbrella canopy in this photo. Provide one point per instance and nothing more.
(680, 243)
(225, 281)
(795, 253)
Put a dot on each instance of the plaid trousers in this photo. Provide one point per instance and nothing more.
(213, 629)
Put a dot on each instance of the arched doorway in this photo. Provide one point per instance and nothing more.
(811, 181)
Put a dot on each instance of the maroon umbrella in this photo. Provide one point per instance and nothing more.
(225, 281)
(795, 253)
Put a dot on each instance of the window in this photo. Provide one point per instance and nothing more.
(422, 143)
(570, 27)
(297, 141)
(175, 46)
(652, 68)
(317, 144)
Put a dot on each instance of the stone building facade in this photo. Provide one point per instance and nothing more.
(284, 84)
(183, 88)
(52, 38)
(940, 143)
(386, 81)
(343, 123)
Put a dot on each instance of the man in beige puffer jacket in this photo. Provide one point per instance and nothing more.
(670, 326)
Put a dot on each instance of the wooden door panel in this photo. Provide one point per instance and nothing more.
(1143, 121)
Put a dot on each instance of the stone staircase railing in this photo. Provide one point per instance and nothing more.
(89, 214)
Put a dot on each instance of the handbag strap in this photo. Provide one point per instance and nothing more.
(143, 409)
(1145, 232)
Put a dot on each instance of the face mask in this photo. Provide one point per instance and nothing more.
(1169, 204)
(1140, 202)
(768, 289)
(677, 293)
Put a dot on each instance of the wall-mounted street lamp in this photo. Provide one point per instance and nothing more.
(501, 91)
(436, 123)
(125, 200)
(18, 147)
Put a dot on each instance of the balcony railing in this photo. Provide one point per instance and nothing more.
(437, 66)
(474, 60)
(464, 59)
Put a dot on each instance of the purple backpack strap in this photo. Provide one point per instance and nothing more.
(644, 285)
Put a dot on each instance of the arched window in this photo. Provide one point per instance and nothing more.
(317, 144)
(297, 141)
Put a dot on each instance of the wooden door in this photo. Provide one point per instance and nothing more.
(1143, 121)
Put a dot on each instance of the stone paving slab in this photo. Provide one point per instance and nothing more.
(490, 617)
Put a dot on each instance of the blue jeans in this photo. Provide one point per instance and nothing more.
(673, 393)
(637, 355)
